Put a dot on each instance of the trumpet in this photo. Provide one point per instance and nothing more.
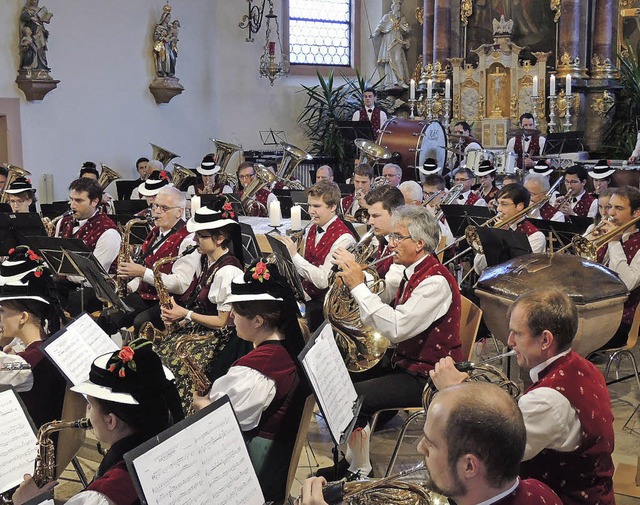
(588, 249)
(450, 197)
(432, 198)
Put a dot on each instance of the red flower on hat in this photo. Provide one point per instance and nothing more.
(38, 272)
(32, 255)
(12, 250)
(260, 272)
(126, 354)
(29, 181)
(123, 359)
(164, 175)
(228, 208)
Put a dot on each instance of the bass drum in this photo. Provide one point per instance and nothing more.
(403, 137)
(433, 141)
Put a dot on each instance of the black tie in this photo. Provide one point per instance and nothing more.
(527, 139)
(461, 197)
(75, 223)
(369, 111)
(319, 230)
(574, 200)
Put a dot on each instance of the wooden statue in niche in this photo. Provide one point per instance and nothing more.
(165, 55)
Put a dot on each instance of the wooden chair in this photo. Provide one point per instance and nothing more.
(470, 316)
(301, 440)
(70, 440)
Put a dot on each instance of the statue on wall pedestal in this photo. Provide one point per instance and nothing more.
(394, 28)
(165, 55)
(33, 73)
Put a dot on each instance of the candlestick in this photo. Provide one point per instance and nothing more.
(552, 111)
(447, 110)
(534, 91)
(567, 115)
(552, 85)
(568, 85)
(296, 218)
(447, 89)
(412, 90)
(534, 98)
(274, 213)
(412, 104)
(430, 88)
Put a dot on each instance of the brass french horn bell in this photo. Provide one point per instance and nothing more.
(163, 155)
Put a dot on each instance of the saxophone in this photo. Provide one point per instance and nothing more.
(148, 330)
(125, 248)
(45, 467)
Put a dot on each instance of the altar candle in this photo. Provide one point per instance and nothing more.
(195, 204)
(429, 88)
(412, 90)
(534, 92)
(296, 218)
(568, 84)
(447, 88)
(274, 213)
(552, 85)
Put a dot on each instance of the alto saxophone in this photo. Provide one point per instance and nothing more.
(124, 256)
(45, 467)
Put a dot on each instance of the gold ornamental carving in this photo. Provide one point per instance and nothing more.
(557, 8)
(626, 3)
(480, 107)
(420, 15)
(513, 113)
(417, 70)
(561, 104)
(602, 104)
(603, 68)
(570, 65)
(466, 11)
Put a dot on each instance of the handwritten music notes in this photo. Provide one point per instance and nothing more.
(330, 381)
(205, 462)
(74, 348)
(18, 443)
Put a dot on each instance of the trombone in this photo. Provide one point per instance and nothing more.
(588, 249)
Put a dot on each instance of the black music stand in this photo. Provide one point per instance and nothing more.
(502, 245)
(562, 232)
(130, 207)
(299, 197)
(16, 228)
(460, 216)
(250, 246)
(284, 197)
(346, 189)
(563, 142)
(125, 188)
(55, 209)
(352, 130)
(285, 262)
(5, 207)
(139, 231)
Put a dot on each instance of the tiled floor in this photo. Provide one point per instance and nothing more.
(317, 453)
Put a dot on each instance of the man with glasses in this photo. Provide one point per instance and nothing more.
(393, 174)
(246, 175)
(577, 201)
(466, 177)
(168, 238)
(419, 313)
(465, 142)
(538, 187)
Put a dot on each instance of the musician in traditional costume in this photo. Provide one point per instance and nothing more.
(22, 195)
(324, 173)
(486, 173)
(168, 238)
(601, 174)
(622, 255)
(392, 173)
(246, 175)
(90, 171)
(595, 230)
(434, 189)
(362, 180)
(29, 314)
(419, 313)
(130, 400)
(538, 187)
(567, 411)
(266, 388)
(465, 142)
(512, 199)
(153, 168)
(473, 441)
(527, 144)
(98, 232)
(466, 177)
(150, 188)
(209, 185)
(577, 201)
(376, 116)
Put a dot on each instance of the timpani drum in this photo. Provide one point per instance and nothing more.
(505, 163)
(476, 156)
(403, 137)
(434, 138)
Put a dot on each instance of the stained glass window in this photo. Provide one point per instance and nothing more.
(320, 32)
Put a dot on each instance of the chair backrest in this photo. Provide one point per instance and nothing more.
(632, 339)
(441, 246)
(470, 315)
(70, 440)
(301, 439)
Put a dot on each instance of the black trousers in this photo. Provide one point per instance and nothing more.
(143, 311)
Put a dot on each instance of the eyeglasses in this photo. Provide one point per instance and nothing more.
(163, 208)
(397, 238)
(246, 176)
(460, 180)
(429, 193)
(572, 182)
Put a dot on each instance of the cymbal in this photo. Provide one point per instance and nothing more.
(453, 150)
(523, 131)
(462, 136)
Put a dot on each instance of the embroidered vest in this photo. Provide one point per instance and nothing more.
(489, 196)
(584, 476)
(217, 189)
(345, 205)
(169, 247)
(384, 266)
(316, 254)
(420, 353)
(116, 484)
(582, 206)
(547, 211)
(375, 118)
(534, 147)
(261, 197)
(530, 492)
(90, 231)
(525, 226)
(472, 199)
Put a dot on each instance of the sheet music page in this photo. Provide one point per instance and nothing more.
(206, 462)
(81, 343)
(18, 444)
(331, 382)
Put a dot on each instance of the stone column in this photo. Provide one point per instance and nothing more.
(604, 40)
(441, 33)
(428, 33)
(571, 40)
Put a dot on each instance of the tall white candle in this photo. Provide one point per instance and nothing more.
(195, 204)
(552, 85)
(296, 218)
(429, 88)
(534, 92)
(447, 88)
(412, 90)
(274, 213)
(568, 84)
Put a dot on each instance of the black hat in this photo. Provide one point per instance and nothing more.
(155, 182)
(25, 276)
(206, 218)
(485, 168)
(541, 168)
(430, 166)
(208, 165)
(601, 170)
(19, 185)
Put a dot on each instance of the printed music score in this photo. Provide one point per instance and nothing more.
(74, 348)
(205, 462)
(330, 381)
(18, 443)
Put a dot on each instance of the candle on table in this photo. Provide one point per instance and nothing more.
(296, 218)
(447, 88)
(274, 213)
(195, 204)
(568, 84)
(534, 92)
(430, 88)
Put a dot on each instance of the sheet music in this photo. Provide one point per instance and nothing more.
(206, 462)
(330, 381)
(75, 348)
(18, 444)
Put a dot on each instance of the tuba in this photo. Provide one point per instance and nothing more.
(248, 199)
(107, 176)
(14, 172)
(370, 153)
(224, 152)
(181, 175)
(361, 346)
(163, 155)
(291, 158)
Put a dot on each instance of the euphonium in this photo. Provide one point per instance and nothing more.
(224, 152)
(107, 176)
(361, 346)
(45, 467)
(181, 174)
(124, 256)
(370, 152)
(291, 158)
(13, 173)
(262, 178)
(163, 155)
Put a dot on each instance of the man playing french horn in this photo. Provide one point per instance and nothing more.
(351, 204)
(419, 312)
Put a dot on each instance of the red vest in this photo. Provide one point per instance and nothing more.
(630, 247)
(583, 205)
(584, 476)
(384, 266)
(198, 292)
(316, 254)
(90, 231)
(489, 196)
(472, 199)
(547, 211)
(346, 203)
(375, 118)
(534, 148)
(525, 226)
(420, 353)
(116, 484)
(530, 492)
(261, 197)
(169, 247)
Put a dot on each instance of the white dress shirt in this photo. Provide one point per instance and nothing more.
(429, 301)
(526, 140)
(319, 276)
(383, 115)
(616, 260)
(463, 197)
(90, 498)
(549, 418)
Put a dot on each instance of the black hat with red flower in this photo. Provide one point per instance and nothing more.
(25, 276)
(157, 180)
(19, 185)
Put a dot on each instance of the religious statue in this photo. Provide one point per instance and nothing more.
(393, 27)
(165, 44)
(34, 36)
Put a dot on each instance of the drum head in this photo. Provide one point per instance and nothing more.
(433, 141)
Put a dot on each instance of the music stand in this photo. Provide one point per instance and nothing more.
(125, 188)
(286, 266)
(299, 197)
(562, 232)
(460, 216)
(55, 209)
(502, 245)
(251, 248)
(563, 142)
(284, 197)
(139, 231)
(15, 228)
(346, 189)
(5, 207)
(130, 207)
(54, 250)
(352, 130)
